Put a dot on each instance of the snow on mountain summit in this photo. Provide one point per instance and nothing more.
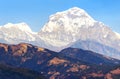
(69, 19)
(21, 26)
(76, 12)
(16, 33)
(117, 34)
(72, 13)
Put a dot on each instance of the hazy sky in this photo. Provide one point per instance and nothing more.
(36, 12)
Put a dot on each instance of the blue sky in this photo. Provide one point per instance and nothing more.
(36, 12)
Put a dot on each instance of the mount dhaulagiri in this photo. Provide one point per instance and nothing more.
(75, 28)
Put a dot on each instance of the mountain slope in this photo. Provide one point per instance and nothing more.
(51, 64)
(9, 72)
(98, 47)
(89, 56)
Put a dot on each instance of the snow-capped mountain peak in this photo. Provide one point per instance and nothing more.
(72, 13)
(76, 28)
(78, 12)
(21, 26)
(16, 33)
(69, 20)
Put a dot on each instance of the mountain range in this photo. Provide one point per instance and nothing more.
(71, 28)
(24, 59)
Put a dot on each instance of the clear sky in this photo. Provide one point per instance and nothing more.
(36, 12)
